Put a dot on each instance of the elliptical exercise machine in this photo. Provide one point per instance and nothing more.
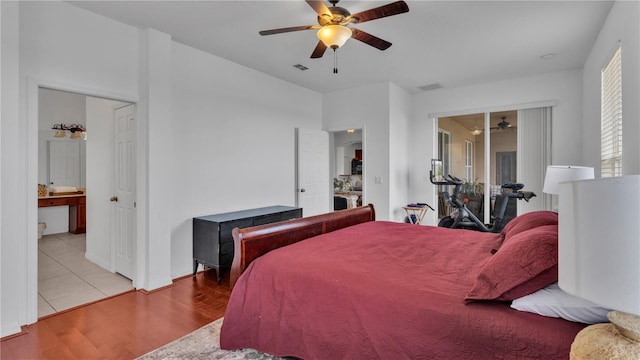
(463, 218)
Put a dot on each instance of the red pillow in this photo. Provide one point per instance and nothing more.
(523, 265)
(528, 221)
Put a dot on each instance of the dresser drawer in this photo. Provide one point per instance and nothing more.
(52, 202)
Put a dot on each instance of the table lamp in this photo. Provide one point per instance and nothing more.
(599, 260)
(561, 173)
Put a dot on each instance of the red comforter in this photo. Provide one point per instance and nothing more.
(382, 290)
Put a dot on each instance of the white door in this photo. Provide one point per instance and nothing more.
(64, 163)
(123, 199)
(313, 171)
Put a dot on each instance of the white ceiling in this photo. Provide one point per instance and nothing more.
(453, 43)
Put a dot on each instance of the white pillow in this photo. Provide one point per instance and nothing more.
(551, 301)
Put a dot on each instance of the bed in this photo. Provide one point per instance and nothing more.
(343, 286)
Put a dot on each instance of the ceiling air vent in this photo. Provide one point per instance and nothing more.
(300, 67)
(430, 87)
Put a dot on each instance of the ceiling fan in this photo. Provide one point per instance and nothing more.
(502, 125)
(332, 27)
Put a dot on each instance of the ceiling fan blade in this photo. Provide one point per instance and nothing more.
(319, 7)
(369, 39)
(394, 8)
(319, 50)
(288, 29)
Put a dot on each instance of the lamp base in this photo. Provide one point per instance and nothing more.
(609, 341)
(627, 324)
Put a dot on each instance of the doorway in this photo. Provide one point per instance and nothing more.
(481, 149)
(347, 168)
(78, 268)
(524, 131)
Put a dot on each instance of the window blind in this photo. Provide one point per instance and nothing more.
(611, 127)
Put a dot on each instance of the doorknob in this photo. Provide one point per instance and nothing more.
(302, 190)
(114, 198)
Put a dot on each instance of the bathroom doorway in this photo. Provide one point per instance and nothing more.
(76, 267)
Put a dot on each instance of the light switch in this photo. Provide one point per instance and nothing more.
(378, 180)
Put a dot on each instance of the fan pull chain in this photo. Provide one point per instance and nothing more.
(335, 61)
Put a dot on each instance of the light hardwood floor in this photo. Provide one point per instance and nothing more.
(123, 326)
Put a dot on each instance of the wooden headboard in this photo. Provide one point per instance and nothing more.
(251, 243)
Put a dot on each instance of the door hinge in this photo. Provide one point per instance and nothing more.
(134, 204)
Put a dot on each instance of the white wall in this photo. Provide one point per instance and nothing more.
(68, 44)
(13, 285)
(622, 24)
(155, 114)
(368, 108)
(233, 141)
(399, 159)
(562, 87)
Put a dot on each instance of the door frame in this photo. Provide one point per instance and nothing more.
(30, 268)
(332, 159)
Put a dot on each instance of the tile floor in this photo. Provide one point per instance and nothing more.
(67, 279)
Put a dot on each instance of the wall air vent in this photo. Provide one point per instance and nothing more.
(430, 87)
(300, 67)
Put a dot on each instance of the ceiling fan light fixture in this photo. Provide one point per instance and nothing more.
(334, 36)
(504, 123)
(476, 132)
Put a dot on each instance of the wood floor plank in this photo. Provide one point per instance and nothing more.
(125, 326)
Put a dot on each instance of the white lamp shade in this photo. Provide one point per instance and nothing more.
(334, 36)
(599, 241)
(561, 173)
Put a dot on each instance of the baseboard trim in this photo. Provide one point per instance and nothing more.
(147, 292)
(24, 330)
(83, 305)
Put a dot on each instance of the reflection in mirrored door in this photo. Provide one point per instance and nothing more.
(347, 168)
(464, 144)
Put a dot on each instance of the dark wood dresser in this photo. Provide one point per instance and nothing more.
(212, 240)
